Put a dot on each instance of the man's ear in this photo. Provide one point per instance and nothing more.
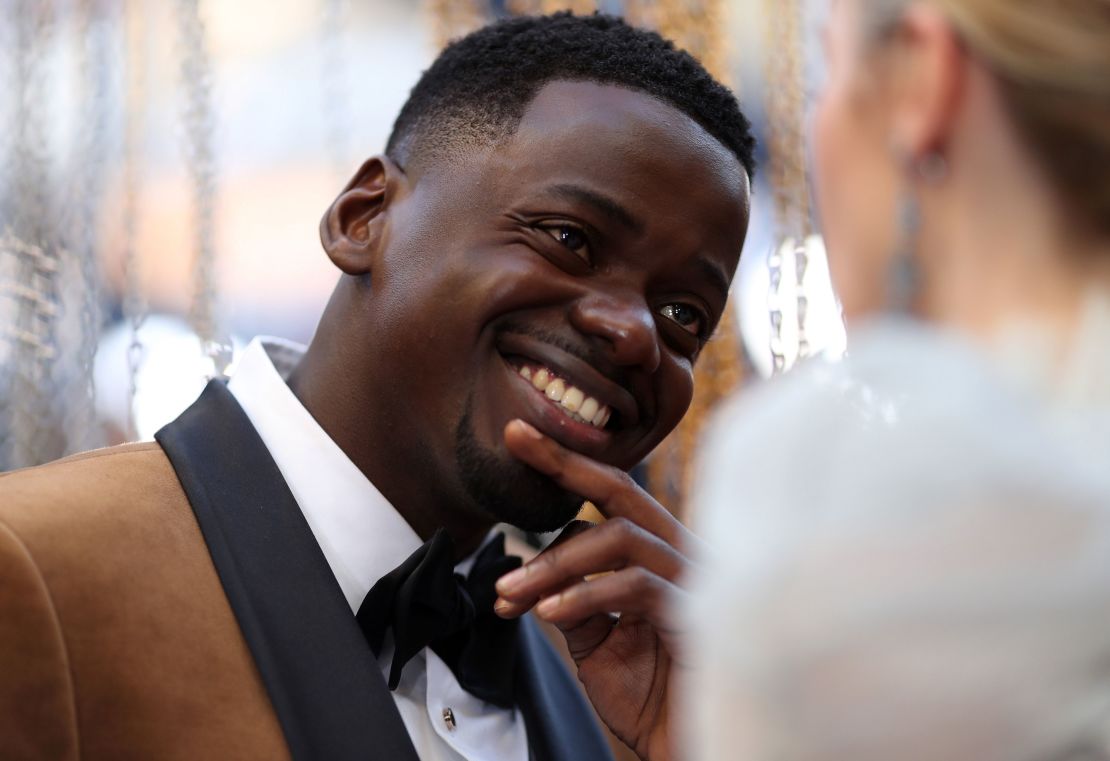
(352, 229)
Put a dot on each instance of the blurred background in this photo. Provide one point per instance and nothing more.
(164, 165)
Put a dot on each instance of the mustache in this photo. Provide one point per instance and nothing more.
(592, 355)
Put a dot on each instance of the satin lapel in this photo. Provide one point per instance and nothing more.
(322, 678)
(561, 724)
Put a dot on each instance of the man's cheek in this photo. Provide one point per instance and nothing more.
(675, 395)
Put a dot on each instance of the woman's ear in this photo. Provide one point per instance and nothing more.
(929, 82)
(352, 229)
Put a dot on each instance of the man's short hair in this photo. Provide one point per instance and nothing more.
(477, 90)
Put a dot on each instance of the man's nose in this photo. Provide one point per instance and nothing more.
(625, 323)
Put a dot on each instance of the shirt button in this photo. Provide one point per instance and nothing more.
(449, 719)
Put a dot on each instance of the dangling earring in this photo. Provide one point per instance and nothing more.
(903, 276)
(903, 280)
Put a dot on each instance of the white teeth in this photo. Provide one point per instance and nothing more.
(573, 398)
(555, 390)
(601, 417)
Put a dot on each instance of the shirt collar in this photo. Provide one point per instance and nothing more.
(362, 536)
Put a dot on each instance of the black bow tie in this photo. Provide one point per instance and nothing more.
(428, 605)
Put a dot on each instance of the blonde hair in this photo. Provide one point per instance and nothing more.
(1052, 61)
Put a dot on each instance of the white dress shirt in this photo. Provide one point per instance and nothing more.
(363, 539)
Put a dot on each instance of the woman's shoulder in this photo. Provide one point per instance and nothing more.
(897, 380)
(912, 415)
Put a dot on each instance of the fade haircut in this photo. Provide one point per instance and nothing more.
(477, 90)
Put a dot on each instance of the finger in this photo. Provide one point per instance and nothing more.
(571, 530)
(632, 592)
(611, 546)
(520, 605)
(517, 605)
(612, 490)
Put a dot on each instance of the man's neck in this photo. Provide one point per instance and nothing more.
(319, 382)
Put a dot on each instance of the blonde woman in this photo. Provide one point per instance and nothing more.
(914, 544)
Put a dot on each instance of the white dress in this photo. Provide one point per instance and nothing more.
(911, 555)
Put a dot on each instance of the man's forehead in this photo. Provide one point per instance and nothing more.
(590, 120)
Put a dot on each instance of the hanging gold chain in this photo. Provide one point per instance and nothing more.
(196, 79)
(334, 90)
(95, 51)
(785, 74)
(786, 116)
(30, 420)
(33, 430)
(134, 304)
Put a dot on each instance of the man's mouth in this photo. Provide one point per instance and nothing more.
(564, 395)
(579, 404)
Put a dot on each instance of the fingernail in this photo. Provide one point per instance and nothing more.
(511, 581)
(529, 430)
(549, 605)
(502, 605)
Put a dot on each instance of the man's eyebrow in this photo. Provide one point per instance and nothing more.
(715, 275)
(607, 206)
(709, 269)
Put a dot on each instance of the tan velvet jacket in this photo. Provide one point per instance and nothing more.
(169, 601)
(116, 638)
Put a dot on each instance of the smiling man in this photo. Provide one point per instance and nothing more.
(302, 565)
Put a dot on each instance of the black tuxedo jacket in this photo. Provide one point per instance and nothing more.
(321, 677)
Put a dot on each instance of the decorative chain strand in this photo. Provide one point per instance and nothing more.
(776, 344)
(93, 35)
(30, 420)
(196, 76)
(786, 116)
(801, 265)
(134, 305)
(34, 431)
(333, 86)
(786, 146)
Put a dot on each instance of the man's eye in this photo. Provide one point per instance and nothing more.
(685, 315)
(572, 238)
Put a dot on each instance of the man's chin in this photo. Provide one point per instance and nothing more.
(508, 490)
(515, 494)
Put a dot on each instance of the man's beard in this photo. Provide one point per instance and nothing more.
(511, 492)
